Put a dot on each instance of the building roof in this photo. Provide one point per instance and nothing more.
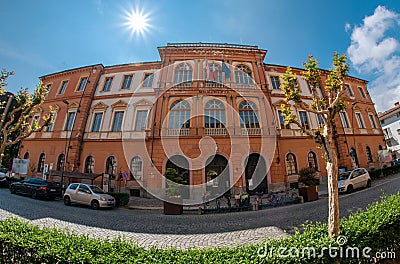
(396, 107)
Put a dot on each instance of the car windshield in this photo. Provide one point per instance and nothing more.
(344, 175)
(96, 189)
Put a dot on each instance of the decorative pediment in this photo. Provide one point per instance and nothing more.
(56, 107)
(119, 104)
(74, 105)
(279, 102)
(100, 106)
(143, 102)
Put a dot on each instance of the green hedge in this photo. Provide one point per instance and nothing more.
(377, 228)
(385, 171)
(121, 199)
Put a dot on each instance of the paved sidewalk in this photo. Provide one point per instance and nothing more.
(223, 239)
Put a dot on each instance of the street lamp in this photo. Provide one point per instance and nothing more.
(66, 148)
(354, 152)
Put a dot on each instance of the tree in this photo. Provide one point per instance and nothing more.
(17, 119)
(327, 106)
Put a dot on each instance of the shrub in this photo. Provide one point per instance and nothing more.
(307, 176)
(377, 228)
(121, 199)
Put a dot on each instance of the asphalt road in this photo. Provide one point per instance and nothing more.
(154, 222)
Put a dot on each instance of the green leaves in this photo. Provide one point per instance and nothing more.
(290, 86)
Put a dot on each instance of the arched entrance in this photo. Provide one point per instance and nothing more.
(255, 170)
(181, 165)
(217, 175)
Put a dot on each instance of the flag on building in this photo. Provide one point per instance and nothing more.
(207, 68)
(226, 70)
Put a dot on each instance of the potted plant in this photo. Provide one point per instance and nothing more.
(309, 183)
(174, 204)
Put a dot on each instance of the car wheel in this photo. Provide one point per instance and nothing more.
(34, 195)
(368, 183)
(67, 200)
(12, 190)
(350, 189)
(95, 205)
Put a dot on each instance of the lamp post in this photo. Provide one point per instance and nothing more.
(354, 153)
(66, 148)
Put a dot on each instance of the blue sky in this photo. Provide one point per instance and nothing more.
(46, 36)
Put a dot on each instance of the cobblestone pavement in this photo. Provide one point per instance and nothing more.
(223, 239)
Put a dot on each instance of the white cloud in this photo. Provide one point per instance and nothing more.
(374, 51)
(347, 27)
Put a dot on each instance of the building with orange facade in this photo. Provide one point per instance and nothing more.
(209, 111)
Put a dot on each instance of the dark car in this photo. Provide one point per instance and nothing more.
(3, 180)
(36, 188)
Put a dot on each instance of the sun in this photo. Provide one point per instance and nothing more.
(137, 22)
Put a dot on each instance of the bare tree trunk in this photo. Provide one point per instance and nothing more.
(333, 191)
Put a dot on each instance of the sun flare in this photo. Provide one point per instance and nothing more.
(137, 21)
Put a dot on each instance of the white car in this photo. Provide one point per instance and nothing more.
(89, 195)
(351, 180)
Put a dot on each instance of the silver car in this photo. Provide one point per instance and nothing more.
(351, 180)
(92, 195)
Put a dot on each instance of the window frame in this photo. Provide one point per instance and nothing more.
(305, 123)
(343, 117)
(142, 128)
(94, 122)
(123, 87)
(282, 121)
(243, 75)
(314, 160)
(148, 83)
(107, 84)
(121, 123)
(217, 115)
(183, 73)
(349, 91)
(360, 120)
(251, 113)
(274, 80)
(68, 119)
(41, 162)
(138, 166)
(79, 88)
(63, 88)
(361, 90)
(179, 111)
(89, 164)
(291, 165)
(372, 121)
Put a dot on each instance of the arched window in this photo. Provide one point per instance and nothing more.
(183, 73)
(248, 115)
(136, 168)
(354, 157)
(26, 155)
(291, 165)
(243, 75)
(89, 164)
(369, 154)
(179, 115)
(214, 72)
(111, 167)
(60, 161)
(312, 160)
(214, 114)
(42, 158)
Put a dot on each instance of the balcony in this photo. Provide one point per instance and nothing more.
(215, 131)
(251, 131)
(178, 132)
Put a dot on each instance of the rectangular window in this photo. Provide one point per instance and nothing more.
(51, 126)
(309, 87)
(48, 89)
(344, 119)
(127, 82)
(360, 120)
(63, 87)
(82, 85)
(304, 120)
(372, 120)
(97, 122)
(320, 119)
(35, 121)
(107, 84)
(118, 118)
(282, 121)
(348, 89)
(275, 82)
(141, 117)
(70, 121)
(362, 92)
(148, 80)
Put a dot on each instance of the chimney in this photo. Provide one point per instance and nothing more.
(396, 104)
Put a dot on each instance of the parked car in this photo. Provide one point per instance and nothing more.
(351, 180)
(92, 195)
(37, 188)
(3, 180)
